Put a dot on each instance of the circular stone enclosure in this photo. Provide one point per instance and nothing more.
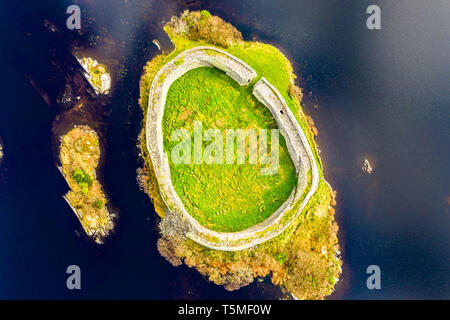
(307, 175)
(208, 106)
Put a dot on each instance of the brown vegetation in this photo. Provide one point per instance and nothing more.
(200, 25)
(79, 156)
(303, 260)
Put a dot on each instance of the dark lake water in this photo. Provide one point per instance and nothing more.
(381, 95)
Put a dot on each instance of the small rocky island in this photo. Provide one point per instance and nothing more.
(96, 74)
(79, 157)
(230, 222)
(366, 166)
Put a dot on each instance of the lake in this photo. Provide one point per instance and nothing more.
(376, 94)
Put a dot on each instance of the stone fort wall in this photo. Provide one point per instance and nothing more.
(177, 219)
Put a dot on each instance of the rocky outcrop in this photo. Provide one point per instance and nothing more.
(96, 74)
(366, 166)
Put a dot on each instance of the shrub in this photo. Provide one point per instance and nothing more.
(97, 204)
(205, 14)
(281, 257)
(82, 179)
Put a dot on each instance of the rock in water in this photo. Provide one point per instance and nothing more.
(157, 44)
(366, 167)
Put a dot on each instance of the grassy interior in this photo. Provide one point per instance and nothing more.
(223, 197)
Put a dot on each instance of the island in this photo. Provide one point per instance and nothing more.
(234, 210)
(96, 74)
(79, 156)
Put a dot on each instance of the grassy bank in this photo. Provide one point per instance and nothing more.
(79, 156)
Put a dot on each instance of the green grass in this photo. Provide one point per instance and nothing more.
(223, 197)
